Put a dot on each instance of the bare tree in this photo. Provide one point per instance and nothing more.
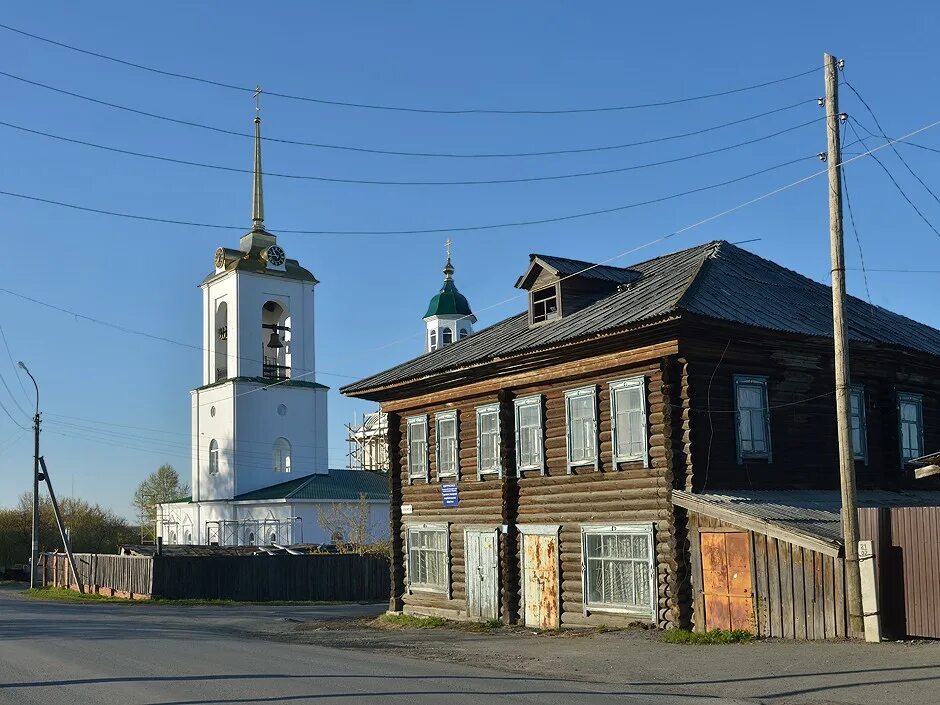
(348, 525)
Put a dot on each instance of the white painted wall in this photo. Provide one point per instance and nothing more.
(439, 323)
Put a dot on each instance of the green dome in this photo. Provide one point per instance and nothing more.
(449, 302)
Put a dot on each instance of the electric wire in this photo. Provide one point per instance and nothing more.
(702, 222)
(417, 231)
(19, 379)
(893, 147)
(858, 240)
(383, 182)
(402, 153)
(893, 180)
(908, 143)
(406, 109)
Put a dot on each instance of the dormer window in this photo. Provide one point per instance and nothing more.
(544, 304)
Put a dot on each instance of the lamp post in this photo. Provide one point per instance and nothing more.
(34, 560)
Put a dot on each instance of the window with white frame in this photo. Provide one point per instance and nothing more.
(447, 459)
(213, 457)
(911, 425)
(618, 568)
(418, 448)
(529, 437)
(750, 405)
(488, 440)
(432, 340)
(447, 336)
(581, 417)
(281, 455)
(427, 557)
(859, 433)
(628, 419)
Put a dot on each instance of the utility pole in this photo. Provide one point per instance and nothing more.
(34, 556)
(853, 586)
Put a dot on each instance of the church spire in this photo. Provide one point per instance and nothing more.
(448, 268)
(257, 194)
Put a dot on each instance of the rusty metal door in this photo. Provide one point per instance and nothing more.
(540, 580)
(726, 580)
(482, 574)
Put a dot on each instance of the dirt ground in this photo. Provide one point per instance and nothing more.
(772, 671)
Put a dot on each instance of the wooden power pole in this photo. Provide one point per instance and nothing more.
(853, 586)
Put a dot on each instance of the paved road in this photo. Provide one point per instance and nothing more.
(108, 654)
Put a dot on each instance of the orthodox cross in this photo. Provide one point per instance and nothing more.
(447, 244)
(257, 96)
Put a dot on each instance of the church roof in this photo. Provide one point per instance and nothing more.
(449, 302)
(252, 261)
(333, 486)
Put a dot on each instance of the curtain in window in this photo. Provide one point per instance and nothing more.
(447, 445)
(618, 570)
(582, 447)
(530, 436)
(488, 432)
(628, 403)
(427, 557)
(752, 426)
(417, 448)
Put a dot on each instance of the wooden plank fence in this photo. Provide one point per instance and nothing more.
(338, 577)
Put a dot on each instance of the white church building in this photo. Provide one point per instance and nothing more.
(259, 420)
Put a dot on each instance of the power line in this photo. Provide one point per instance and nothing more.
(893, 180)
(419, 231)
(372, 106)
(893, 148)
(401, 153)
(13, 364)
(380, 182)
(858, 241)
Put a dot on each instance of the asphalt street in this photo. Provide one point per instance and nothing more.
(113, 654)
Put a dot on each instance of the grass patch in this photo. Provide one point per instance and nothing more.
(410, 621)
(713, 636)
(55, 594)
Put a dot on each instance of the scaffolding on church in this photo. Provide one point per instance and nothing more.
(255, 532)
(367, 443)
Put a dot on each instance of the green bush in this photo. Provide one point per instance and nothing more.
(713, 636)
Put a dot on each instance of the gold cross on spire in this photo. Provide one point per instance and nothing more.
(257, 96)
(447, 245)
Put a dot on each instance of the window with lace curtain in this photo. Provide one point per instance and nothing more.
(618, 569)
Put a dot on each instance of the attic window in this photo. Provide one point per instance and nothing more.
(544, 303)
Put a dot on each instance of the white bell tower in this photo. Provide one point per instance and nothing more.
(448, 318)
(259, 418)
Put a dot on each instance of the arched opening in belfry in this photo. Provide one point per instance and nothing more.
(275, 340)
(220, 331)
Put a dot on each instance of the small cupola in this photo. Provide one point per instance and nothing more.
(449, 317)
(559, 286)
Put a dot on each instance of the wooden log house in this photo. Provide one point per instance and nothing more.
(535, 464)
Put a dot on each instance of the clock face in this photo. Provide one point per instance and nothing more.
(219, 258)
(275, 256)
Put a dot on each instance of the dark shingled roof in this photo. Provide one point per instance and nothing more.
(566, 267)
(335, 486)
(717, 280)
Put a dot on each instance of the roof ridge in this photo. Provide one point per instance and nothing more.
(301, 485)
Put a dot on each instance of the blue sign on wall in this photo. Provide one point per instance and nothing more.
(449, 495)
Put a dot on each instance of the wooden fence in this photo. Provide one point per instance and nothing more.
(906, 542)
(251, 578)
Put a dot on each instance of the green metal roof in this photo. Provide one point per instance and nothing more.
(335, 486)
(265, 381)
(449, 302)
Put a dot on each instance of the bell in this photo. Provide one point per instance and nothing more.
(275, 342)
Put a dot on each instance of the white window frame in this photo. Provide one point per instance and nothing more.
(576, 394)
(525, 402)
(857, 391)
(432, 340)
(438, 418)
(413, 422)
(213, 457)
(918, 401)
(498, 470)
(632, 530)
(629, 383)
(426, 587)
(752, 381)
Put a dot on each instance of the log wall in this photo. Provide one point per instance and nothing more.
(802, 416)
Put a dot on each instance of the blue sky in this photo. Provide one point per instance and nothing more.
(97, 382)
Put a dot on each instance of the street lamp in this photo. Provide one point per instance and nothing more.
(34, 559)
